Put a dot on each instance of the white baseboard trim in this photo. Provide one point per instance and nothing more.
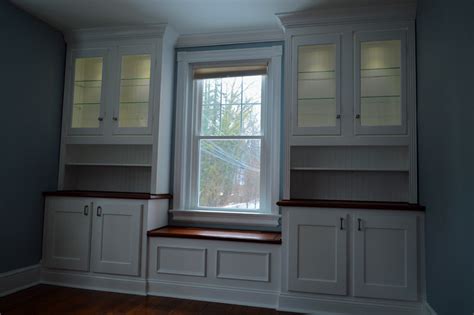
(219, 294)
(19, 279)
(321, 306)
(94, 282)
(429, 309)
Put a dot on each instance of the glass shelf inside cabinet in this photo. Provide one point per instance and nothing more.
(380, 83)
(134, 91)
(87, 92)
(316, 105)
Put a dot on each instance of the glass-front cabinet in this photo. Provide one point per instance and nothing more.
(380, 100)
(132, 114)
(111, 91)
(316, 70)
(87, 97)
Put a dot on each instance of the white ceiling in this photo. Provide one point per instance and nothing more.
(186, 16)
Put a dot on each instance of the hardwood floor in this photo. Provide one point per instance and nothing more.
(47, 299)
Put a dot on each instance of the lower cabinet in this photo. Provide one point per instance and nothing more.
(379, 255)
(318, 252)
(106, 233)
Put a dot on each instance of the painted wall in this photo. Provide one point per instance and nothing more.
(445, 52)
(31, 84)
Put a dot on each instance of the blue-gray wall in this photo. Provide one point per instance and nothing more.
(32, 58)
(445, 58)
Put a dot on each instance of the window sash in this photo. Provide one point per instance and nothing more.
(195, 151)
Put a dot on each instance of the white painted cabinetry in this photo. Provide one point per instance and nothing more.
(352, 252)
(385, 256)
(318, 252)
(96, 242)
(67, 227)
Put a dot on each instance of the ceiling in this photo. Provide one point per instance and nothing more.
(186, 16)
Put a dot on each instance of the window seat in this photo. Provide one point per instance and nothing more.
(217, 234)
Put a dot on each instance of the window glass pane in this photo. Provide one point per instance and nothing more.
(87, 92)
(229, 174)
(134, 91)
(316, 86)
(380, 83)
(231, 106)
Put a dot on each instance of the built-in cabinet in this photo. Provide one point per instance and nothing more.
(117, 110)
(375, 251)
(350, 105)
(98, 236)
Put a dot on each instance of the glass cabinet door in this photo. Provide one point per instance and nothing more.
(316, 85)
(132, 111)
(380, 106)
(87, 92)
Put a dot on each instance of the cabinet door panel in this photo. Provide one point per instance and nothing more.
(116, 237)
(385, 257)
(132, 106)
(380, 78)
(318, 252)
(316, 84)
(67, 233)
(86, 91)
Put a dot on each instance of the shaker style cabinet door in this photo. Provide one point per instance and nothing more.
(385, 257)
(67, 233)
(85, 91)
(116, 237)
(132, 106)
(318, 252)
(316, 85)
(380, 82)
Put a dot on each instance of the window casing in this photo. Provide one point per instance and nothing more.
(196, 143)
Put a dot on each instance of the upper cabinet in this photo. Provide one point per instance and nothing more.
(114, 84)
(317, 83)
(349, 79)
(380, 78)
(350, 104)
(117, 113)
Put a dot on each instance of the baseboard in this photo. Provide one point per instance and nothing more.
(219, 294)
(19, 279)
(94, 282)
(429, 309)
(321, 306)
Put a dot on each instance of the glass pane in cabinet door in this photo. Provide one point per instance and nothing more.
(134, 91)
(317, 86)
(380, 103)
(87, 92)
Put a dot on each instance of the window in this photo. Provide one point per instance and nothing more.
(227, 136)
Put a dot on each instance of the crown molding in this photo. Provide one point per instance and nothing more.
(116, 33)
(362, 14)
(227, 38)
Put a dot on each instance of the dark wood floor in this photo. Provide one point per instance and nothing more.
(46, 299)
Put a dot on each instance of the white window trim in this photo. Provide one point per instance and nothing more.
(184, 129)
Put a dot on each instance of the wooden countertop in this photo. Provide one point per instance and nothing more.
(217, 234)
(350, 204)
(106, 194)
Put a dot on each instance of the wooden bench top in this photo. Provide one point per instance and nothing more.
(217, 234)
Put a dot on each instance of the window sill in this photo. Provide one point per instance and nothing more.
(221, 217)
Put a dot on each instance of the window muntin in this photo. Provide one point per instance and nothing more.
(229, 141)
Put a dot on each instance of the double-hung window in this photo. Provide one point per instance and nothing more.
(227, 136)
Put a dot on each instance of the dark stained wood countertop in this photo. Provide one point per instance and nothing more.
(106, 194)
(217, 234)
(350, 204)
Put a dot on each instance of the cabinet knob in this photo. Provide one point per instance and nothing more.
(359, 228)
(100, 118)
(99, 211)
(358, 116)
(86, 210)
(338, 116)
(342, 224)
(115, 118)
